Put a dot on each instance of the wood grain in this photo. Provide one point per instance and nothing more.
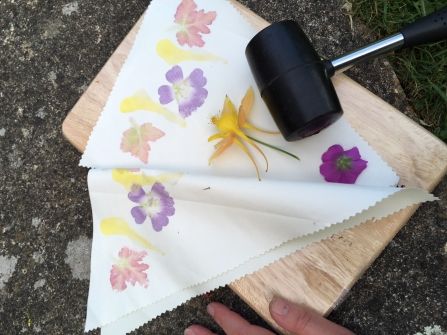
(321, 274)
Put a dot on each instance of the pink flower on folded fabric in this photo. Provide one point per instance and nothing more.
(190, 93)
(192, 23)
(156, 204)
(136, 140)
(129, 269)
(340, 166)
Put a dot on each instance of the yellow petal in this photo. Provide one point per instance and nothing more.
(248, 125)
(215, 137)
(173, 55)
(245, 149)
(119, 227)
(128, 178)
(221, 147)
(142, 101)
(246, 107)
(244, 111)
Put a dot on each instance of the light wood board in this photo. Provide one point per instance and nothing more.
(321, 274)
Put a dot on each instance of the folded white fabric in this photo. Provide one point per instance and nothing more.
(167, 224)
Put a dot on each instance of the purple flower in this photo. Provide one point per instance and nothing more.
(189, 93)
(340, 166)
(156, 204)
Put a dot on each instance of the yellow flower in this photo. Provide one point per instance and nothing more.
(230, 123)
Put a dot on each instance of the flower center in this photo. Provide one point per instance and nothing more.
(152, 205)
(123, 263)
(344, 163)
(182, 90)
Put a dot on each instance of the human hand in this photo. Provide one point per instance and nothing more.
(297, 320)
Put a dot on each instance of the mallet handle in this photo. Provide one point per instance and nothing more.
(369, 51)
(429, 29)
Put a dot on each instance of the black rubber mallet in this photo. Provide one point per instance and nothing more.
(295, 82)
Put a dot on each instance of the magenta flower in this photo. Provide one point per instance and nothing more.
(340, 166)
(189, 92)
(129, 268)
(156, 204)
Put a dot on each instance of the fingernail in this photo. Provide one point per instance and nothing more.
(280, 307)
(210, 310)
(189, 332)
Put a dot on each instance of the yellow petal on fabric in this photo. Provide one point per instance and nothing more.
(245, 149)
(246, 107)
(127, 178)
(221, 147)
(245, 110)
(142, 101)
(252, 127)
(215, 137)
(119, 227)
(173, 55)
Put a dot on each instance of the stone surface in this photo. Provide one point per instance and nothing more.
(49, 53)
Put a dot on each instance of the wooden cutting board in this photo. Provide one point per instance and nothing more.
(321, 274)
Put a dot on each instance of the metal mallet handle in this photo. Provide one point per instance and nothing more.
(429, 29)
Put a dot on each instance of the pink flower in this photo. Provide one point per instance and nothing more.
(192, 23)
(340, 166)
(136, 140)
(129, 269)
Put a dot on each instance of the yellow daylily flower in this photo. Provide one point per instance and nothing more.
(230, 123)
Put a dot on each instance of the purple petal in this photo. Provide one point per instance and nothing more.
(350, 176)
(174, 75)
(330, 172)
(166, 207)
(136, 194)
(166, 201)
(138, 214)
(159, 221)
(166, 94)
(196, 78)
(353, 153)
(197, 100)
(332, 153)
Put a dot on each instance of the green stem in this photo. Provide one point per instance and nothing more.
(273, 147)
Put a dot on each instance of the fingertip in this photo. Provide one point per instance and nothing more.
(279, 307)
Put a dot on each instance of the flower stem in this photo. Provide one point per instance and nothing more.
(273, 147)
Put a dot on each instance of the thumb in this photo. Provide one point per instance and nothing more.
(301, 320)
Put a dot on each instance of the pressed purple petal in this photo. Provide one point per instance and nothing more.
(197, 79)
(353, 153)
(159, 221)
(174, 75)
(357, 168)
(136, 194)
(198, 98)
(138, 214)
(166, 202)
(166, 94)
(332, 153)
(330, 172)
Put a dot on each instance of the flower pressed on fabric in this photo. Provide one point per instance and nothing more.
(157, 204)
(192, 23)
(190, 92)
(136, 140)
(340, 166)
(129, 269)
(230, 125)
